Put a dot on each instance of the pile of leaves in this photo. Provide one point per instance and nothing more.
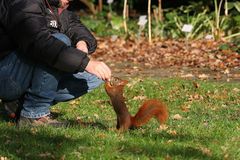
(169, 54)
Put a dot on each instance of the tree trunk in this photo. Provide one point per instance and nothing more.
(100, 5)
(125, 16)
(160, 10)
(149, 23)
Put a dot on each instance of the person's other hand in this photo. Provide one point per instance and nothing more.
(64, 4)
(100, 69)
(81, 45)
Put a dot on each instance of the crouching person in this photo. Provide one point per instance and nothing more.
(44, 59)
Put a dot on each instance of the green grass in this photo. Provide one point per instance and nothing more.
(208, 126)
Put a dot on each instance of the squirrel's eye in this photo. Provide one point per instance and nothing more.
(115, 81)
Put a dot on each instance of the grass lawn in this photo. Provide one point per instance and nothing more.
(204, 123)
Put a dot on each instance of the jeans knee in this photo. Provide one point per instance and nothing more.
(92, 80)
(62, 37)
(95, 83)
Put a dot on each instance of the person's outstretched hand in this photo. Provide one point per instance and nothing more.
(100, 69)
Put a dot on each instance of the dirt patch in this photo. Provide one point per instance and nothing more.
(128, 70)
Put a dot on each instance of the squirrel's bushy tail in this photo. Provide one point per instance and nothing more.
(150, 108)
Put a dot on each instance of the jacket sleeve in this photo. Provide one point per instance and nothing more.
(77, 31)
(28, 28)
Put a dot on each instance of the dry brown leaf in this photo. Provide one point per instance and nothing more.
(189, 75)
(206, 151)
(177, 117)
(185, 108)
(45, 155)
(172, 132)
(141, 97)
(203, 76)
(236, 90)
(196, 85)
(101, 135)
(162, 127)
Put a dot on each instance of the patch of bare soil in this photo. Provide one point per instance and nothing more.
(200, 59)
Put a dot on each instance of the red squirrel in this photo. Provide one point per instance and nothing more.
(150, 108)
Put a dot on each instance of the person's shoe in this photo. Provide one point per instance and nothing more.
(11, 108)
(43, 121)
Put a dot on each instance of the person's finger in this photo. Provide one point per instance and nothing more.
(106, 71)
(98, 74)
(100, 69)
(102, 72)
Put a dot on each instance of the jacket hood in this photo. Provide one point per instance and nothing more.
(54, 2)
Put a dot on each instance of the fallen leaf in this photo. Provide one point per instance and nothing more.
(139, 97)
(189, 75)
(196, 85)
(226, 71)
(162, 127)
(203, 76)
(206, 151)
(236, 90)
(185, 108)
(45, 155)
(177, 117)
(195, 97)
(173, 132)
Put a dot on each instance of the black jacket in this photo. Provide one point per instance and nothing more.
(67, 22)
(24, 27)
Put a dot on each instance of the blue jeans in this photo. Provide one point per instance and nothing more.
(39, 85)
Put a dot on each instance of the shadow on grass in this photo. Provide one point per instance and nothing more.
(159, 150)
(98, 125)
(41, 142)
(165, 145)
(37, 143)
(78, 122)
